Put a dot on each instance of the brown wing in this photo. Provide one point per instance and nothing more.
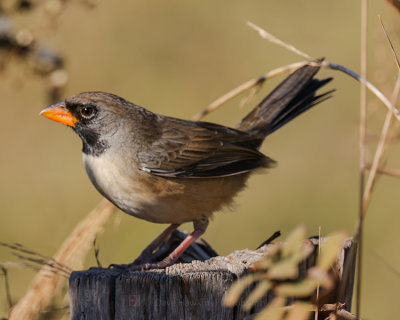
(200, 150)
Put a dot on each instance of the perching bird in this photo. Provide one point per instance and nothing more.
(168, 170)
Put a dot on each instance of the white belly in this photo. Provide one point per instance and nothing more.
(114, 183)
(158, 199)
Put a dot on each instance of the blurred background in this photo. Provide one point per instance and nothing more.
(175, 58)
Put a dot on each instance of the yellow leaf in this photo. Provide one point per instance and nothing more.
(259, 291)
(236, 289)
(287, 268)
(299, 311)
(330, 250)
(274, 311)
(294, 240)
(303, 288)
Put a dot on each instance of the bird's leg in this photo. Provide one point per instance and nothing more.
(147, 253)
(199, 228)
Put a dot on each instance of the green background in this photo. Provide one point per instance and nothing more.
(175, 57)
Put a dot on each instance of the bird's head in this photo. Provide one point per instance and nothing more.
(99, 118)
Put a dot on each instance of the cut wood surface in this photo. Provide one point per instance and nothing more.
(183, 291)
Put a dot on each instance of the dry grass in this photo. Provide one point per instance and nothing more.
(74, 250)
(72, 253)
(366, 189)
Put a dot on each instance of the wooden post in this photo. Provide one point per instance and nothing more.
(183, 291)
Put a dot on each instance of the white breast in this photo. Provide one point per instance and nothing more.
(158, 199)
(116, 182)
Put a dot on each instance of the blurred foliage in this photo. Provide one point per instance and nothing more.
(278, 272)
(175, 58)
(25, 44)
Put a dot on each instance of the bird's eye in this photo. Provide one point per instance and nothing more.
(87, 111)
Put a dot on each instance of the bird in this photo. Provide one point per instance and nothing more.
(171, 171)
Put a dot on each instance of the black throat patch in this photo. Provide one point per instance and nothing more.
(91, 142)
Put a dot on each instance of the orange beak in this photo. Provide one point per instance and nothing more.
(59, 113)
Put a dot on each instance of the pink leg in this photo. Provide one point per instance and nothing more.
(157, 241)
(147, 252)
(176, 253)
(140, 263)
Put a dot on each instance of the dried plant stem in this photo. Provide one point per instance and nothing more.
(389, 266)
(268, 36)
(71, 253)
(380, 148)
(246, 86)
(385, 170)
(291, 67)
(362, 147)
(368, 84)
(319, 254)
(366, 193)
(340, 312)
(7, 286)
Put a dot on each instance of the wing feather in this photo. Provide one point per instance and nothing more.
(200, 150)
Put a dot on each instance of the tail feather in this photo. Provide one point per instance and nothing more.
(291, 98)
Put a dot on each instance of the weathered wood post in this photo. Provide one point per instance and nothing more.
(183, 291)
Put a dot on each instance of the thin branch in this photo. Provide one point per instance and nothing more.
(267, 36)
(7, 286)
(96, 253)
(246, 86)
(387, 264)
(368, 84)
(275, 235)
(396, 58)
(363, 123)
(291, 67)
(380, 148)
(319, 255)
(72, 253)
(37, 259)
(385, 170)
(385, 129)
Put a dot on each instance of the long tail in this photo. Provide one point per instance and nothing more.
(289, 99)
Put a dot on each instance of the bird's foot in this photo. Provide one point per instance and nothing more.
(141, 267)
(149, 259)
(146, 261)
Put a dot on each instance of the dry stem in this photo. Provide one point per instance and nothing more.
(266, 35)
(385, 170)
(363, 124)
(71, 253)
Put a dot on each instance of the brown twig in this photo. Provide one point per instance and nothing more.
(380, 148)
(36, 259)
(340, 312)
(385, 170)
(335, 66)
(364, 85)
(319, 254)
(291, 67)
(387, 264)
(268, 36)
(362, 147)
(275, 235)
(72, 253)
(385, 130)
(96, 253)
(368, 84)
(246, 86)
(7, 286)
